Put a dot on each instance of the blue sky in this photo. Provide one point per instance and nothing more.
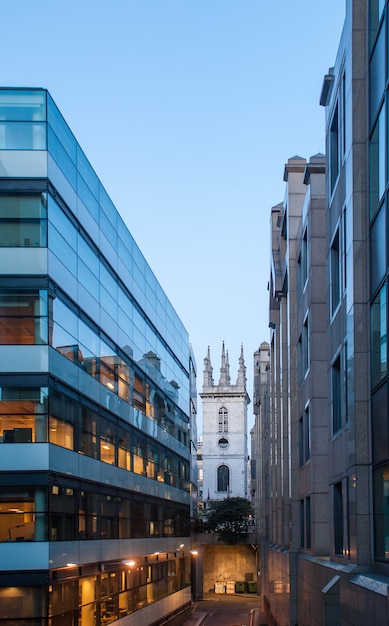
(188, 111)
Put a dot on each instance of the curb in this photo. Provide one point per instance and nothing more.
(196, 619)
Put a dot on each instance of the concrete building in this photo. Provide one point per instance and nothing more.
(325, 453)
(97, 394)
(225, 436)
(258, 433)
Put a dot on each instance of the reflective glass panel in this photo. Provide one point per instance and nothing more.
(87, 173)
(380, 425)
(88, 198)
(377, 75)
(381, 512)
(377, 155)
(61, 130)
(22, 105)
(378, 324)
(378, 249)
(23, 220)
(62, 158)
(22, 136)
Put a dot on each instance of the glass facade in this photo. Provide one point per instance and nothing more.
(113, 408)
(96, 598)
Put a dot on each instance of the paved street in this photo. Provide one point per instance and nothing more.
(226, 610)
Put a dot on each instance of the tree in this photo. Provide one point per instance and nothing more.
(231, 518)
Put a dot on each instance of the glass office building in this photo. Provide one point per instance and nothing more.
(95, 395)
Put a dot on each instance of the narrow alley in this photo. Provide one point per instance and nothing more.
(225, 610)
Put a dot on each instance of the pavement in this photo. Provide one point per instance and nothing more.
(200, 612)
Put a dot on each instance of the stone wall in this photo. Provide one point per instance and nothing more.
(223, 563)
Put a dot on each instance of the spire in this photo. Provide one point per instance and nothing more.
(208, 380)
(241, 380)
(225, 369)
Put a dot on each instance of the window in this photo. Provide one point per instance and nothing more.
(307, 434)
(335, 287)
(378, 329)
(336, 395)
(377, 74)
(23, 316)
(305, 345)
(223, 420)
(381, 512)
(376, 8)
(107, 448)
(308, 522)
(305, 437)
(380, 425)
(25, 115)
(377, 177)
(305, 523)
(334, 148)
(303, 263)
(61, 433)
(344, 247)
(223, 478)
(338, 518)
(341, 525)
(139, 400)
(378, 242)
(23, 414)
(303, 351)
(23, 221)
(301, 441)
(23, 514)
(344, 134)
(302, 524)
(223, 442)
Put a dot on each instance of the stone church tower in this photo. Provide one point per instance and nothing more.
(224, 409)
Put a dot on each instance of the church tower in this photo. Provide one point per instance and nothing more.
(224, 409)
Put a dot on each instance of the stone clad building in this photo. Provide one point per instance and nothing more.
(323, 410)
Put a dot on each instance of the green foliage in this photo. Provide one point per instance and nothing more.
(231, 518)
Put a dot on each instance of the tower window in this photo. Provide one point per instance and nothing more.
(223, 420)
(223, 478)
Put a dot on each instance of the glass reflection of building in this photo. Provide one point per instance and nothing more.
(94, 394)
